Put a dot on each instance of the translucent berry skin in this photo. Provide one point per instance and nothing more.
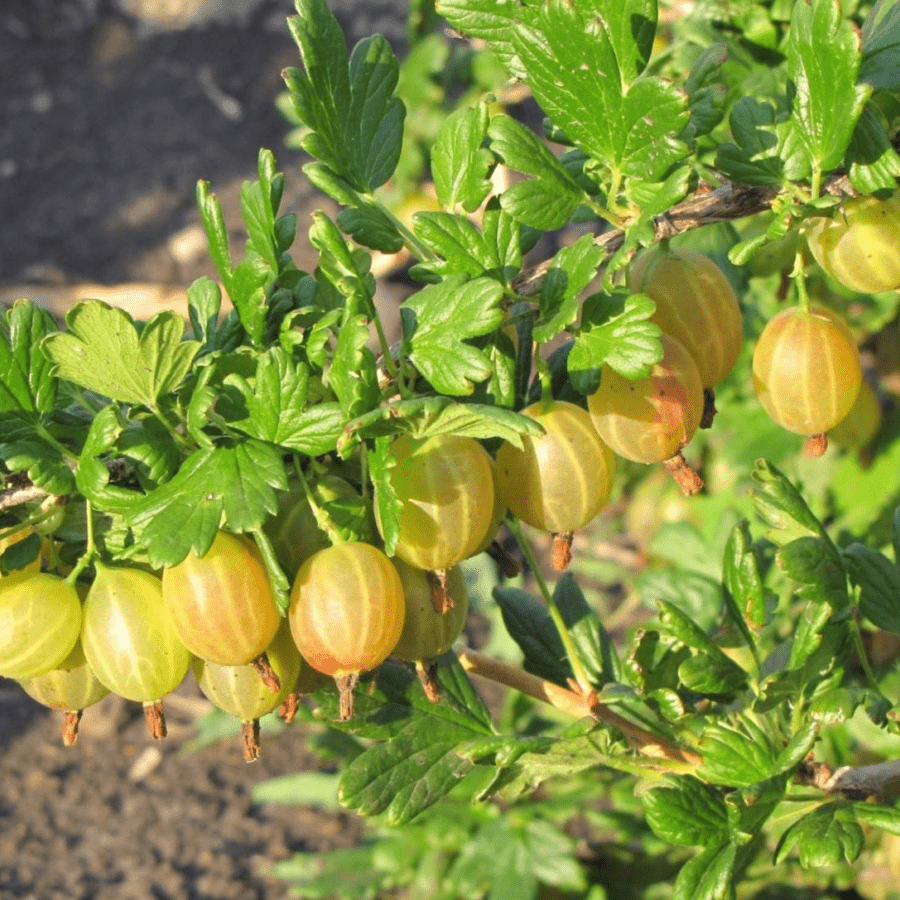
(561, 479)
(446, 490)
(860, 246)
(695, 304)
(347, 608)
(128, 636)
(806, 370)
(861, 424)
(650, 419)
(428, 634)
(239, 691)
(40, 618)
(222, 603)
(71, 686)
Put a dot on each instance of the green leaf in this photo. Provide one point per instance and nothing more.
(104, 352)
(708, 876)
(221, 487)
(345, 270)
(272, 406)
(464, 249)
(594, 647)
(369, 226)
(216, 232)
(874, 163)
(688, 812)
(880, 46)
(355, 120)
(739, 754)
(615, 331)
(570, 271)
(878, 580)
(765, 149)
(530, 626)
(782, 507)
(204, 305)
(42, 460)
(493, 21)
(583, 66)
(828, 835)
(353, 375)
(481, 422)
(459, 162)
(417, 766)
(387, 503)
(887, 818)
(546, 201)
(300, 788)
(509, 858)
(436, 322)
(815, 563)
(823, 52)
(742, 579)
(20, 554)
(27, 386)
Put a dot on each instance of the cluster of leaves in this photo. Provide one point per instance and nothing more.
(755, 649)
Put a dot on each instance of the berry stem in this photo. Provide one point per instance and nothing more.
(266, 673)
(70, 730)
(250, 740)
(156, 719)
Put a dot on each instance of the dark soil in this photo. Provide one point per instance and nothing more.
(120, 816)
(107, 125)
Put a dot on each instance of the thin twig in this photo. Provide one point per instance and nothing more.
(574, 704)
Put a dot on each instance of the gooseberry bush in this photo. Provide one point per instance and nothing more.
(629, 334)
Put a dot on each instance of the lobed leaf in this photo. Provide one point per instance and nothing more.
(348, 103)
(28, 388)
(828, 835)
(530, 626)
(878, 580)
(743, 582)
(687, 812)
(823, 52)
(548, 200)
(615, 330)
(459, 162)
(708, 876)
(570, 271)
(104, 352)
(229, 487)
(437, 320)
(582, 63)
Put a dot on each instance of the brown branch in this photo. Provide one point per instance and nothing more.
(16, 496)
(574, 704)
(879, 782)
